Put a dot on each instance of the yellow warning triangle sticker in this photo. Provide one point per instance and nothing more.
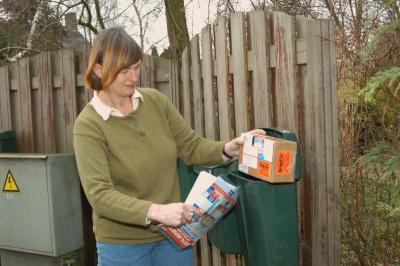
(10, 185)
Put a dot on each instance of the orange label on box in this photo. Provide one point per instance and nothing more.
(264, 168)
(282, 162)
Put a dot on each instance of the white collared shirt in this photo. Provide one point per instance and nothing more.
(104, 110)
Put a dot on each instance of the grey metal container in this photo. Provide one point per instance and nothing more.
(44, 216)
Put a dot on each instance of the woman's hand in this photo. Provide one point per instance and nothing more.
(174, 214)
(231, 148)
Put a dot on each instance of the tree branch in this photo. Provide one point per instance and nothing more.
(122, 12)
(87, 24)
(68, 8)
(331, 8)
(32, 32)
(140, 19)
(98, 14)
(35, 21)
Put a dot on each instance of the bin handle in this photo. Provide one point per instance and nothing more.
(272, 132)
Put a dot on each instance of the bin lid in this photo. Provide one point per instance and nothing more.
(7, 134)
(198, 168)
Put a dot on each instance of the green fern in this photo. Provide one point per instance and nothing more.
(386, 159)
(372, 44)
(380, 31)
(389, 77)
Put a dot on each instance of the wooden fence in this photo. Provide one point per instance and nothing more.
(262, 69)
(42, 95)
(251, 70)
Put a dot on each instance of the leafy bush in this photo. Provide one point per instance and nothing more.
(370, 184)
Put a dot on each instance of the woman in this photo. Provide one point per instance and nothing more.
(127, 141)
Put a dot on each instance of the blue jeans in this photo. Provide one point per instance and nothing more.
(160, 253)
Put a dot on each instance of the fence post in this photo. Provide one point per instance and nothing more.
(5, 110)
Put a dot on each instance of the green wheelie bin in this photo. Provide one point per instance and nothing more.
(187, 177)
(7, 142)
(263, 224)
(267, 215)
(224, 235)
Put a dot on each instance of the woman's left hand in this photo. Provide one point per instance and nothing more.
(232, 147)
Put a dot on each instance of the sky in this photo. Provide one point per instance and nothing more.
(198, 12)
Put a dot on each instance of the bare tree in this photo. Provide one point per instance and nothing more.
(355, 20)
(26, 27)
(227, 7)
(99, 14)
(94, 15)
(38, 14)
(177, 28)
(146, 13)
(370, 234)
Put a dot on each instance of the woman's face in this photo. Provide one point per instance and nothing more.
(125, 83)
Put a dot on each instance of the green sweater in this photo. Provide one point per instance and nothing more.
(126, 163)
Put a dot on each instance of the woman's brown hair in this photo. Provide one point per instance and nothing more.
(114, 50)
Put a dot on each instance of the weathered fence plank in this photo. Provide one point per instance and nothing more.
(208, 87)
(320, 230)
(161, 78)
(216, 256)
(286, 83)
(147, 73)
(223, 77)
(285, 80)
(37, 116)
(308, 150)
(15, 104)
(232, 261)
(5, 109)
(304, 189)
(329, 175)
(83, 95)
(335, 144)
(174, 83)
(186, 88)
(58, 102)
(240, 73)
(198, 109)
(45, 79)
(26, 104)
(205, 252)
(262, 84)
(69, 95)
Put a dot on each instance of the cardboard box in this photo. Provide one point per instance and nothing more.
(268, 158)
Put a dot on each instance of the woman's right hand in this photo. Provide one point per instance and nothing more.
(174, 214)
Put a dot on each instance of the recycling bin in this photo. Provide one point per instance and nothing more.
(7, 141)
(267, 215)
(224, 235)
(263, 224)
(187, 177)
